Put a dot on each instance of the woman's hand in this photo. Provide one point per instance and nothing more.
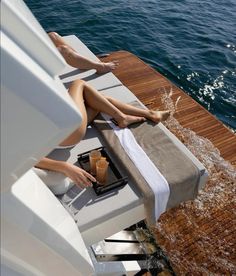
(79, 176)
(76, 174)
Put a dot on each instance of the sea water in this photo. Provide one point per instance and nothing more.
(192, 43)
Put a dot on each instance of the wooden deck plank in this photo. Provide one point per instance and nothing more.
(197, 242)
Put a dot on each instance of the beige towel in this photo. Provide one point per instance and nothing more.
(180, 172)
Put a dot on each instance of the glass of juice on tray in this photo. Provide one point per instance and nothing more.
(94, 156)
(101, 170)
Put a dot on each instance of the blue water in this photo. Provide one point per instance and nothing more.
(192, 43)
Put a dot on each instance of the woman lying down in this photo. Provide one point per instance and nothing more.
(90, 102)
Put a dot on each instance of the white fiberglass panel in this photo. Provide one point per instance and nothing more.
(38, 234)
(37, 112)
(21, 26)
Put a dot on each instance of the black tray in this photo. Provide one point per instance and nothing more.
(114, 179)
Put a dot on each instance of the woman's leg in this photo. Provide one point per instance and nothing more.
(69, 54)
(74, 59)
(86, 96)
(97, 101)
(79, 133)
(91, 113)
(58, 40)
(153, 115)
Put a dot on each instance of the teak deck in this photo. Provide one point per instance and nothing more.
(195, 244)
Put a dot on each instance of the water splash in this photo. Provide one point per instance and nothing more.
(199, 234)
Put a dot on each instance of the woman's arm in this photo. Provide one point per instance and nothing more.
(76, 174)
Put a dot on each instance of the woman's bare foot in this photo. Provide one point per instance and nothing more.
(105, 67)
(159, 116)
(128, 120)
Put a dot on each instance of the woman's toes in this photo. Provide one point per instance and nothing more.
(159, 116)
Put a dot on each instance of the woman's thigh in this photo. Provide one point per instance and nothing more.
(76, 93)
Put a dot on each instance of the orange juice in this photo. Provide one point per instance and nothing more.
(101, 171)
(94, 156)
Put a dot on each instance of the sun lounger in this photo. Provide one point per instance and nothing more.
(100, 217)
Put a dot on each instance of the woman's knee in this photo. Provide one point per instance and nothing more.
(53, 35)
(56, 39)
(76, 91)
(79, 83)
